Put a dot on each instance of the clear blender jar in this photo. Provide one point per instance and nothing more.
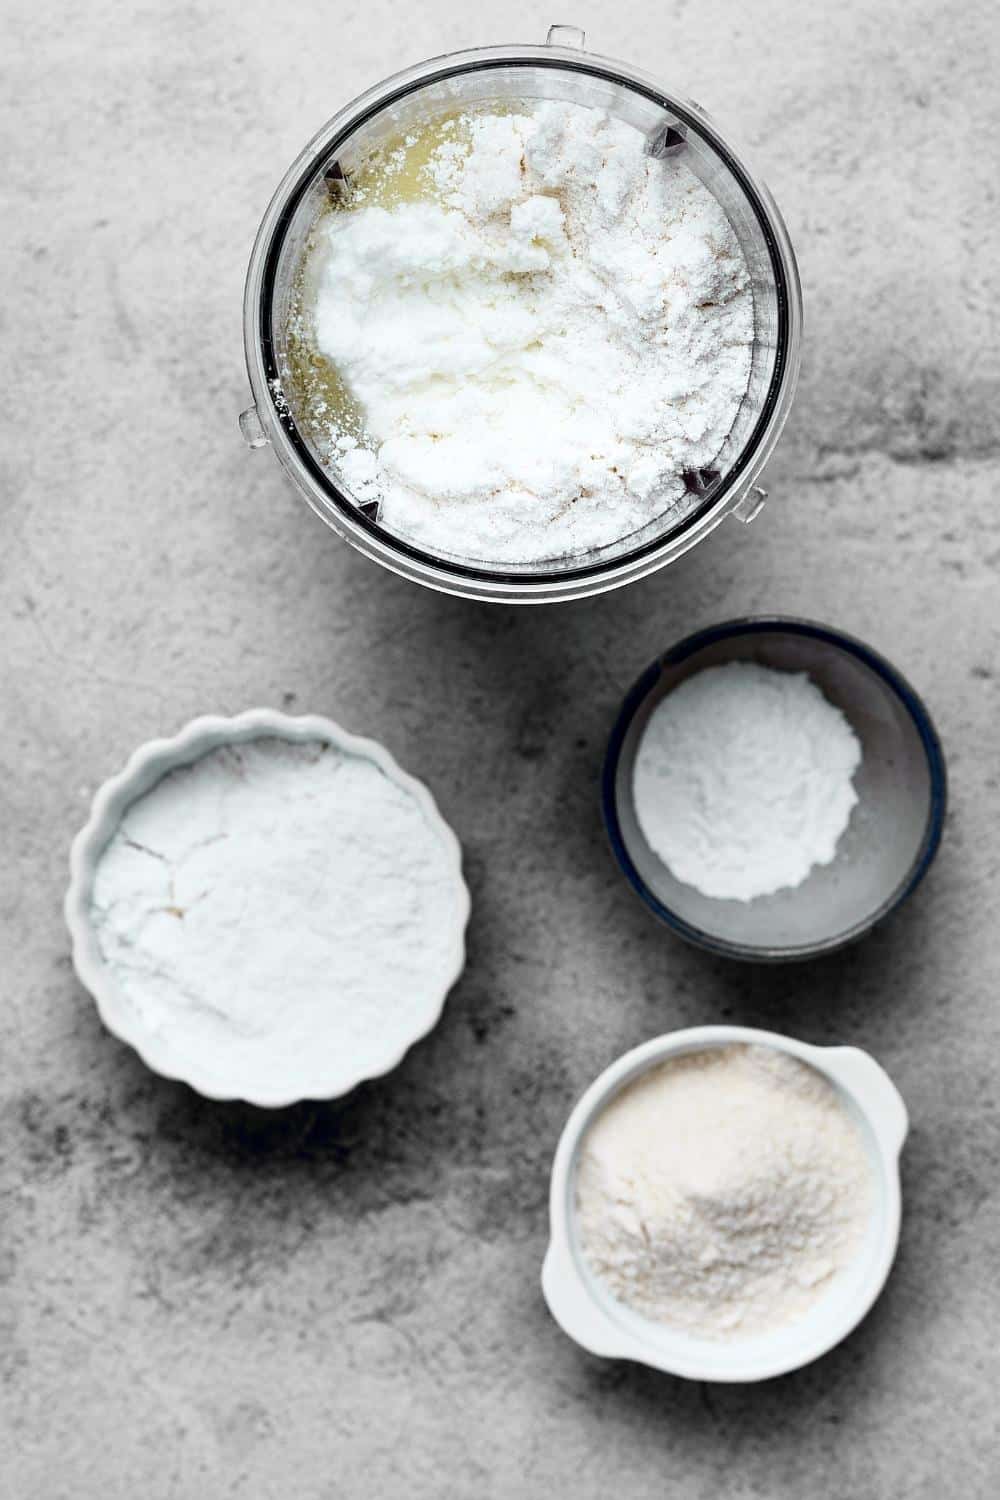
(497, 76)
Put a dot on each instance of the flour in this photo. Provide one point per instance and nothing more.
(724, 1192)
(743, 780)
(277, 910)
(540, 345)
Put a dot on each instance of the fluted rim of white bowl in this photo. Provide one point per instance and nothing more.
(147, 765)
(583, 1318)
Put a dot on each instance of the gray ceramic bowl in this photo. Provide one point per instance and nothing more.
(894, 830)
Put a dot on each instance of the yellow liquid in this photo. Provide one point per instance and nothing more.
(395, 173)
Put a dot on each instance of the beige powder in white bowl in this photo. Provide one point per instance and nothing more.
(724, 1192)
(725, 1203)
(268, 908)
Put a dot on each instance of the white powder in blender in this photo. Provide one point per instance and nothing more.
(276, 904)
(724, 1192)
(743, 780)
(541, 337)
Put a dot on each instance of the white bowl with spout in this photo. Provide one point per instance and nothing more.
(599, 1323)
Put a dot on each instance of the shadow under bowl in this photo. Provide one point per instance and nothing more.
(894, 830)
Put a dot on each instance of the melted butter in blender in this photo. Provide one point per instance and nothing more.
(395, 172)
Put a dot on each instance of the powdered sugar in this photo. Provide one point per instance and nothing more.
(724, 1192)
(743, 780)
(282, 912)
(540, 345)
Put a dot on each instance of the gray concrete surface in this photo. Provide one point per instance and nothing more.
(202, 1301)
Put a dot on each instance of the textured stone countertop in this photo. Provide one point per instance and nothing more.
(202, 1301)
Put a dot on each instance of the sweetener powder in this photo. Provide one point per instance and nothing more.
(280, 911)
(743, 780)
(540, 345)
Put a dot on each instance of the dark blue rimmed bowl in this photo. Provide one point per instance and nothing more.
(894, 831)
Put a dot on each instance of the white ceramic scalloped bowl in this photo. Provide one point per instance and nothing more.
(148, 764)
(596, 1321)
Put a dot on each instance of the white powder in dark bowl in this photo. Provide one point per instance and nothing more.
(743, 780)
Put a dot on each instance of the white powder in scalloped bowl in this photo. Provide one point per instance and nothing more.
(743, 780)
(282, 911)
(724, 1192)
(540, 341)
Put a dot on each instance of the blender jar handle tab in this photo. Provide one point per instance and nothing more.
(566, 36)
(750, 505)
(252, 429)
